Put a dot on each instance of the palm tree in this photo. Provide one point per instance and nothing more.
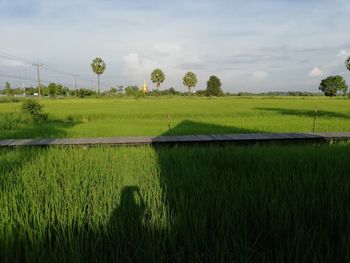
(157, 77)
(190, 80)
(98, 66)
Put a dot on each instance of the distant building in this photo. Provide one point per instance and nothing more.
(144, 87)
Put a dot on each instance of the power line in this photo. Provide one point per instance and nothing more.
(27, 79)
(47, 68)
(15, 58)
(16, 77)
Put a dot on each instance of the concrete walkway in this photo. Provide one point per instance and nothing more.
(187, 139)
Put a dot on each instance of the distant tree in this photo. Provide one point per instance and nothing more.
(44, 91)
(64, 91)
(59, 89)
(332, 85)
(120, 89)
(214, 87)
(157, 77)
(84, 92)
(98, 66)
(131, 90)
(8, 91)
(52, 89)
(172, 91)
(113, 90)
(29, 91)
(190, 81)
(201, 93)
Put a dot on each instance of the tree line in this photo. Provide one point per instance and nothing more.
(330, 86)
(98, 66)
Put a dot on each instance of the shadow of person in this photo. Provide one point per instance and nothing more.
(128, 216)
(127, 227)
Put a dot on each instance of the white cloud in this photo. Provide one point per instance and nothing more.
(259, 75)
(165, 50)
(344, 54)
(315, 72)
(137, 66)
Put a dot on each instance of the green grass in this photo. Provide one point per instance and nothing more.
(138, 117)
(268, 203)
(227, 203)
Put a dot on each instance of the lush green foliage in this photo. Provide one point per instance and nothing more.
(158, 77)
(190, 81)
(179, 204)
(332, 85)
(214, 87)
(34, 109)
(147, 116)
(98, 66)
(54, 89)
(132, 90)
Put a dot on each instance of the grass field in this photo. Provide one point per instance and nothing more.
(128, 117)
(264, 203)
(227, 203)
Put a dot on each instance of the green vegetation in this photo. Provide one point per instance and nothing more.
(54, 90)
(98, 66)
(34, 109)
(157, 77)
(332, 85)
(147, 116)
(214, 87)
(190, 81)
(265, 203)
(257, 203)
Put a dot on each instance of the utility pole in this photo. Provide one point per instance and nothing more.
(37, 65)
(23, 75)
(75, 84)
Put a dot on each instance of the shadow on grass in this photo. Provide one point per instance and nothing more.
(188, 127)
(228, 204)
(306, 113)
(14, 127)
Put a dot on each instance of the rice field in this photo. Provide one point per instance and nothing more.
(141, 117)
(209, 203)
(267, 203)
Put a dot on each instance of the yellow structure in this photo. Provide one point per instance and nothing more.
(144, 87)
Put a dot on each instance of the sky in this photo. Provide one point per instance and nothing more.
(253, 46)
